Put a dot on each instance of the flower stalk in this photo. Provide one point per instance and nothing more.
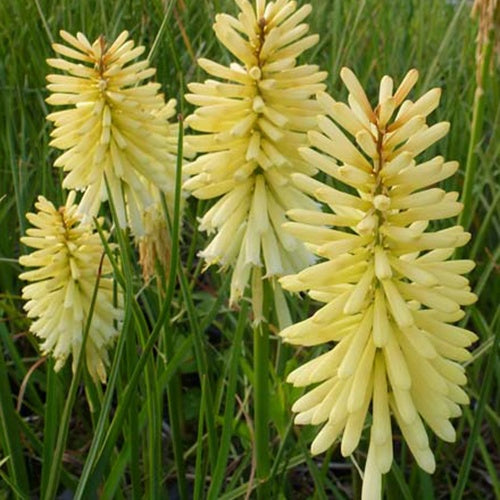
(261, 395)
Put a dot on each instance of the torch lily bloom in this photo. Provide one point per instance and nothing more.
(254, 115)
(389, 288)
(113, 127)
(69, 256)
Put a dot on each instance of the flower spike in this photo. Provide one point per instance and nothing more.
(389, 290)
(67, 260)
(112, 128)
(253, 117)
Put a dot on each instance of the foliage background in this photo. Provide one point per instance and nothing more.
(147, 455)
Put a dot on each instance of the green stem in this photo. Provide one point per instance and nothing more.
(261, 400)
(52, 414)
(476, 132)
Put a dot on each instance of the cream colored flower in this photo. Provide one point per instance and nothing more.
(390, 291)
(113, 126)
(254, 115)
(67, 260)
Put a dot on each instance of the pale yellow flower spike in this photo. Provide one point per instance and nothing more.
(113, 126)
(389, 290)
(67, 261)
(254, 116)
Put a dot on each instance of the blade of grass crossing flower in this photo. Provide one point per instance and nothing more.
(227, 426)
(102, 423)
(102, 445)
(174, 390)
(56, 462)
(200, 353)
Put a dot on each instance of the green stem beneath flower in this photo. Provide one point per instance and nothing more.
(261, 397)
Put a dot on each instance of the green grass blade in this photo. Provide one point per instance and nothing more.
(227, 425)
(486, 383)
(56, 463)
(9, 434)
